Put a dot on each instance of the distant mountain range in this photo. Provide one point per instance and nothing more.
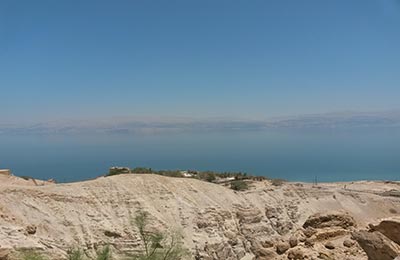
(345, 120)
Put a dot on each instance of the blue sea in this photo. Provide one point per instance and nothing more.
(295, 156)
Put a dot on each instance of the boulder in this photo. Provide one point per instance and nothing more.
(348, 243)
(265, 254)
(267, 243)
(302, 238)
(296, 254)
(282, 247)
(320, 220)
(390, 228)
(329, 245)
(261, 252)
(376, 245)
(326, 256)
(309, 242)
(309, 232)
(31, 229)
(113, 234)
(293, 241)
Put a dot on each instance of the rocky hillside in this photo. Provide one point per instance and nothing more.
(291, 221)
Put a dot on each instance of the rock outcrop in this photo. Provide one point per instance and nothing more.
(323, 220)
(4, 254)
(376, 245)
(290, 221)
(390, 228)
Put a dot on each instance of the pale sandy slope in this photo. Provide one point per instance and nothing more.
(211, 217)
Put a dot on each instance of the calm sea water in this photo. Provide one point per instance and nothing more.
(329, 156)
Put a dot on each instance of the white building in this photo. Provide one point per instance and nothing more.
(187, 174)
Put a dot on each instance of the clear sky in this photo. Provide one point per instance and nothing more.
(248, 59)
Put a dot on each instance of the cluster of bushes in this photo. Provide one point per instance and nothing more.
(172, 173)
(207, 176)
(210, 176)
(204, 175)
(144, 170)
(116, 171)
(156, 245)
(239, 185)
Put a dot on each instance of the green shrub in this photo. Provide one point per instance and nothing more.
(170, 173)
(141, 170)
(207, 176)
(75, 254)
(104, 253)
(158, 245)
(239, 185)
(112, 171)
(278, 182)
(32, 255)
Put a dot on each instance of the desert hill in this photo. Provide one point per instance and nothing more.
(290, 221)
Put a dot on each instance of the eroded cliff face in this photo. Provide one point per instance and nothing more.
(292, 221)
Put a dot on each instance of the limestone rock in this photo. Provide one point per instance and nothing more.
(330, 220)
(309, 232)
(31, 229)
(4, 254)
(348, 243)
(330, 233)
(267, 243)
(390, 228)
(376, 245)
(309, 242)
(326, 256)
(329, 245)
(113, 234)
(263, 253)
(282, 247)
(296, 254)
(249, 215)
(293, 241)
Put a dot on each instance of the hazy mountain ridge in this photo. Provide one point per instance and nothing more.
(349, 120)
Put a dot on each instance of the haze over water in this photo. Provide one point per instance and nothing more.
(329, 156)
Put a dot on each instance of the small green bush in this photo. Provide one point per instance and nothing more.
(239, 185)
(32, 255)
(104, 253)
(207, 176)
(278, 182)
(113, 172)
(75, 254)
(170, 173)
(158, 245)
(142, 170)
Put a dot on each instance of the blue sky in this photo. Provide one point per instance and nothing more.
(245, 59)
